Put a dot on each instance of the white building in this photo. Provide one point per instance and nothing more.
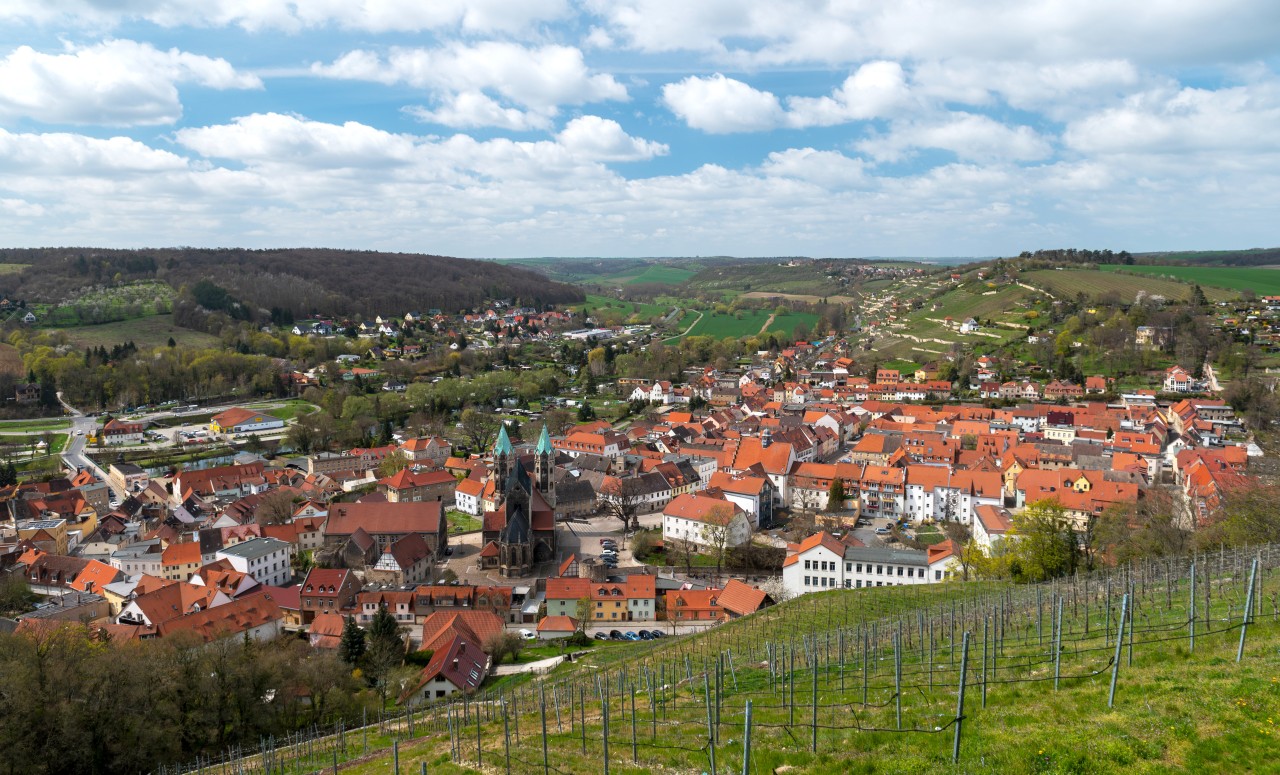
(266, 559)
(991, 526)
(821, 562)
(698, 519)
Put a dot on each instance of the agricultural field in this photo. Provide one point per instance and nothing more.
(34, 426)
(1091, 282)
(805, 297)
(806, 279)
(12, 268)
(749, 322)
(154, 331)
(626, 308)
(1262, 280)
(654, 273)
(884, 681)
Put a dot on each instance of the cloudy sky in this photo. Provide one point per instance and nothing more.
(641, 127)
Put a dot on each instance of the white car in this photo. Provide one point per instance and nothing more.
(527, 634)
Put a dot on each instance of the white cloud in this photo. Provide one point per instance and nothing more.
(1061, 90)
(877, 89)
(601, 138)
(830, 169)
(277, 139)
(970, 137)
(837, 32)
(470, 109)
(473, 16)
(1233, 120)
(115, 83)
(720, 105)
(61, 153)
(539, 79)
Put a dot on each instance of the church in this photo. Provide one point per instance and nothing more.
(520, 519)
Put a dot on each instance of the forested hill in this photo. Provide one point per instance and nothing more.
(302, 280)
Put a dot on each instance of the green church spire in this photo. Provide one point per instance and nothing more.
(544, 442)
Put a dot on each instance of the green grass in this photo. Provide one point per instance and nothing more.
(1091, 282)
(153, 331)
(12, 268)
(286, 410)
(1264, 281)
(658, 273)
(1174, 711)
(461, 523)
(33, 426)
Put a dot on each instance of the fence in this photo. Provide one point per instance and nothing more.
(682, 704)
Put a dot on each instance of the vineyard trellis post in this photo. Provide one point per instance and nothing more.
(1115, 660)
(964, 672)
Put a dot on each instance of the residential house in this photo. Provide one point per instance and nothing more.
(328, 590)
(705, 521)
(267, 560)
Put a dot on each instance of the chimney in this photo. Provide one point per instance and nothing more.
(766, 438)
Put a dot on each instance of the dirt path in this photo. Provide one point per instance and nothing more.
(768, 322)
(686, 331)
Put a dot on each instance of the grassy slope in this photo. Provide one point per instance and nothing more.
(153, 331)
(1069, 282)
(1175, 712)
(1264, 281)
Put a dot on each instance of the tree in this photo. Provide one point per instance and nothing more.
(1152, 527)
(966, 548)
(641, 544)
(275, 508)
(717, 532)
(835, 495)
(479, 428)
(1045, 545)
(502, 644)
(392, 465)
(557, 421)
(385, 652)
(621, 498)
(584, 609)
(352, 646)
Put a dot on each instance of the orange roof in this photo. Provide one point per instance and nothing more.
(181, 554)
(702, 508)
(741, 598)
(558, 624)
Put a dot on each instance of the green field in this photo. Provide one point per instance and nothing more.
(12, 268)
(748, 322)
(597, 303)
(33, 426)
(654, 273)
(1263, 281)
(153, 331)
(1091, 282)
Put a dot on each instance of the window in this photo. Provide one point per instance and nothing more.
(859, 567)
(806, 581)
(806, 565)
(848, 567)
(859, 584)
(849, 584)
(899, 570)
(879, 571)
(937, 575)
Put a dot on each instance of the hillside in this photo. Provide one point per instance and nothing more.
(301, 280)
(867, 681)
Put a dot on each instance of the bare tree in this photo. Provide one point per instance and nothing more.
(275, 508)
(621, 498)
(717, 532)
(480, 428)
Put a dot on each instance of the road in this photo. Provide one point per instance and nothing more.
(74, 457)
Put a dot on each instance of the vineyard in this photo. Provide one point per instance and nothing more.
(1165, 665)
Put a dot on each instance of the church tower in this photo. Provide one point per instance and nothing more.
(543, 467)
(503, 457)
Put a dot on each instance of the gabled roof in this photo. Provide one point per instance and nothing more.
(741, 598)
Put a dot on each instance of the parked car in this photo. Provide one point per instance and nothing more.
(645, 635)
(882, 531)
(658, 633)
(615, 634)
(528, 634)
(631, 636)
(600, 636)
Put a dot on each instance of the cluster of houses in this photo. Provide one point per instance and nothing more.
(251, 549)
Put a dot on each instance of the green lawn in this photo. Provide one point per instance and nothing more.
(286, 410)
(1091, 282)
(1263, 281)
(461, 523)
(33, 426)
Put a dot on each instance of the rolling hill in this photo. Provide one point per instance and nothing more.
(302, 280)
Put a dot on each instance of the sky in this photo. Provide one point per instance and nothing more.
(512, 128)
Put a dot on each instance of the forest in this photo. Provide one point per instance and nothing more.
(303, 281)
